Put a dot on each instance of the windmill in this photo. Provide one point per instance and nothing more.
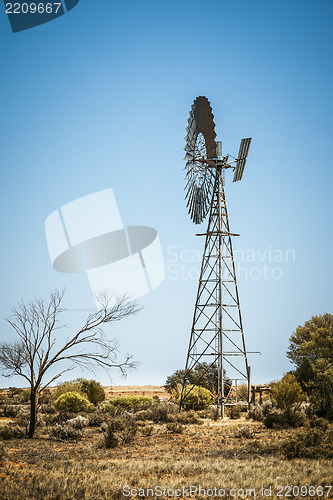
(217, 337)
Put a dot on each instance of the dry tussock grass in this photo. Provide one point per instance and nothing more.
(136, 390)
(228, 454)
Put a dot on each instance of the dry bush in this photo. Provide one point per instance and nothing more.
(258, 412)
(234, 411)
(10, 431)
(65, 432)
(12, 410)
(119, 430)
(23, 419)
(275, 419)
(244, 431)
(314, 443)
(187, 417)
(214, 413)
(158, 413)
(128, 433)
(97, 418)
(174, 427)
(47, 408)
(147, 430)
(110, 440)
(279, 418)
(320, 422)
(78, 422)
(57, 417)
(3, 451)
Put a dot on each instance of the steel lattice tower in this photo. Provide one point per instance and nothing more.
(217, 336)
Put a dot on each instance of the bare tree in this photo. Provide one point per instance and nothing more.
(38, 348)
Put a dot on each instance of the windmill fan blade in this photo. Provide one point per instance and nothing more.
(200, 143)
(241, 160)
(188, 156)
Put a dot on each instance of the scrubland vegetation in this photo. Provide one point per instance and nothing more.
(93, 451)
(74, 442)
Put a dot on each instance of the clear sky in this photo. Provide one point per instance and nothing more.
(100, 97)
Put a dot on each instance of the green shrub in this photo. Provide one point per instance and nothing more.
(72, 402)
(198, 398)
(128, 402)
(93, 390)
(73, 386)
(287, 393)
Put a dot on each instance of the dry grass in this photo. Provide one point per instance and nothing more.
(228, 454)
(115, 391)
(132, 390)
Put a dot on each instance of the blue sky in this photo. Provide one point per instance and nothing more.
(99, 98)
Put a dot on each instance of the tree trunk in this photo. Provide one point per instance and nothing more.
(34, 396)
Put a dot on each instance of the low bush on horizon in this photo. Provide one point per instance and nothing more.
(128, 403)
